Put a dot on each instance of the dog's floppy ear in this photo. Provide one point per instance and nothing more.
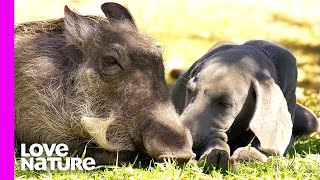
(271, 121)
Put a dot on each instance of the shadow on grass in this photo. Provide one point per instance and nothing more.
(306, 145)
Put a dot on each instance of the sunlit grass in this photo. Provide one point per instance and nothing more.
(300, 164)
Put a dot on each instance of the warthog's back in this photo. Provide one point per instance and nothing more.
(55, 25)
(43, 70)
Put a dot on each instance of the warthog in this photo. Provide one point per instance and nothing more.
(95, 80)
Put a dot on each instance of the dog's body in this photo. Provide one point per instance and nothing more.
(237, 95)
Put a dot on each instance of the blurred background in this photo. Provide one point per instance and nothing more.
(186, 29)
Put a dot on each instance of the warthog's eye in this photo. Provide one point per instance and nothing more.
(114, 59)
(109, 65)
(109, 61)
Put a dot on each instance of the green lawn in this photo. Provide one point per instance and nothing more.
(304, 163)
(186, 30)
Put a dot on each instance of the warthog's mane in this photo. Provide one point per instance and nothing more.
(141, 42)
(41, 26)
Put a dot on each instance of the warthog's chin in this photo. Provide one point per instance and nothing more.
(180, 158)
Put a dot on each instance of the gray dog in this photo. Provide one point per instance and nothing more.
(239, 101)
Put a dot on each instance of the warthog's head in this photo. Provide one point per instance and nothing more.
(118, 78)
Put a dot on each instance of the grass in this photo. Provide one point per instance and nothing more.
(304, 163)
(186, 30)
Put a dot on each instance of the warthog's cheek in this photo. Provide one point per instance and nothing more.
(109, 133)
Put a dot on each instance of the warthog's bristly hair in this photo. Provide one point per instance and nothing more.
(92, 80)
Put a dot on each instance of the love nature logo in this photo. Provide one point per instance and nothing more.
(52, 157)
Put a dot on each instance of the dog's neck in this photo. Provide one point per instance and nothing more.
(274, 63)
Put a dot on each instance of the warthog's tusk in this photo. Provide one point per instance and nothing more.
(97, 128)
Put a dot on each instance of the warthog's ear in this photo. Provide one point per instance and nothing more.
(271, 122)
(114, 11)
(77, 27)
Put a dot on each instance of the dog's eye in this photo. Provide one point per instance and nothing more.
(224, 103)
(188, 89)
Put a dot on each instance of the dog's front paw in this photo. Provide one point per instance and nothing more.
(220, 159)
(245, 154)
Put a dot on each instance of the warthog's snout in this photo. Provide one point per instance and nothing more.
(168, 139)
